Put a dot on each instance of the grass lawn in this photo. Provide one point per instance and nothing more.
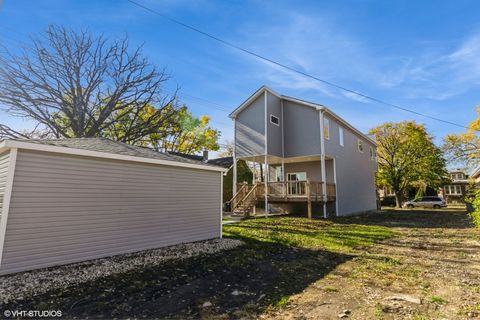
(305, 233)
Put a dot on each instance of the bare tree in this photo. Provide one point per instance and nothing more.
(74, 84)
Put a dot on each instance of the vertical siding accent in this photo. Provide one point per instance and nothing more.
(7, 171)
(67, 208)
(4, 161)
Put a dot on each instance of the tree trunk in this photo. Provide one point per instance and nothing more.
(399, 198)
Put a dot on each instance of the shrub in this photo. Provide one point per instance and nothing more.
(475, 201)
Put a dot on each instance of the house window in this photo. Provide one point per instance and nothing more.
(274, 120)
(340, 136)
(326, 128)
(453, 190)
(360, 145)
(372, 153)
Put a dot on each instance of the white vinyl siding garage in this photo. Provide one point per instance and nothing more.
(69, 208)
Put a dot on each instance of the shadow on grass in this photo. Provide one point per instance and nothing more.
(404, 218)
(243, 280)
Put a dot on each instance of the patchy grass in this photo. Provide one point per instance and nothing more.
(330, 289)
(305, 233)
(438, 300)
(281, 302)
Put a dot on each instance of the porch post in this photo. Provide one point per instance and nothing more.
(309, 199)
(322, 164)
(234, 178)
(254, 182)
(266, 173)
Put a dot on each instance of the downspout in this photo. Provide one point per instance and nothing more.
(322, 163)
(266, 173)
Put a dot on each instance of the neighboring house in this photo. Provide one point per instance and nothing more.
(455, 191)
(64, 201)
(244, 174)
(475, 177)
(311, 159)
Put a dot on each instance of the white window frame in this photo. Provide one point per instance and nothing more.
(372, 154)
(297, 173)
(326, 128)
(340, 136)
(360, 143)
(278, 119)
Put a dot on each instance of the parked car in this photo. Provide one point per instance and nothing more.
(426, 202)
(388, 201)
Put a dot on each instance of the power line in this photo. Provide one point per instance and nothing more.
(284, 66)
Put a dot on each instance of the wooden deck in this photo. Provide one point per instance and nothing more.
(287, 191)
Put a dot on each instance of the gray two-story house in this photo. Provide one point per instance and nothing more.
(305, 158)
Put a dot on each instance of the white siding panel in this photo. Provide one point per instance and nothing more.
(69, 208)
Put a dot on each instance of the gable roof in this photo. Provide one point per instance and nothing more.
(314, 105)
(105, 148)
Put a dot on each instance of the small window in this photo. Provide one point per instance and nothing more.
(274, 120)
(340, 136)
(360, 145)
(326, 128)
(372, 153)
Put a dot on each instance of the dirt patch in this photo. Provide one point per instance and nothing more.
(430, 270)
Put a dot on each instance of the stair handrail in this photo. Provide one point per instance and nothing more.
(240, 194)
(252, 191)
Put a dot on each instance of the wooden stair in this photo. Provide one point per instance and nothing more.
(245, 203)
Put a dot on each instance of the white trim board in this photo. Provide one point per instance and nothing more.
(6, 199)
(9, 144)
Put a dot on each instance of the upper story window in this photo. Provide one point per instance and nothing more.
(274, 120)
(372, 153)
(340, 136)
(326, 128)
(360, 145)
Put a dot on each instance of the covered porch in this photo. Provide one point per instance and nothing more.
(279, 183)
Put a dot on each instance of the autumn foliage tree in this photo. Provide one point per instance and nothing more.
(464, 148)
(407, 157)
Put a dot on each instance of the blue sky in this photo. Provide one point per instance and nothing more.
(424, 55)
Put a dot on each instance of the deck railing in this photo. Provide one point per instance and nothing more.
(293, 189)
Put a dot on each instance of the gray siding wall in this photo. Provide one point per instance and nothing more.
(312, 168)
(250, 129)
(4, 161)
(67, 208)
(355, 171)
(274, 132)
(302, 130)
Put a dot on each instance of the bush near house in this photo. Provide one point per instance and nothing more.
(474, 199)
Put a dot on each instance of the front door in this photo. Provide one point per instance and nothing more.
(296, 186)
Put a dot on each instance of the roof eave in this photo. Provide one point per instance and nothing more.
(6, 144)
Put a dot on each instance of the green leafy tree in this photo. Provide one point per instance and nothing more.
(407, 157)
